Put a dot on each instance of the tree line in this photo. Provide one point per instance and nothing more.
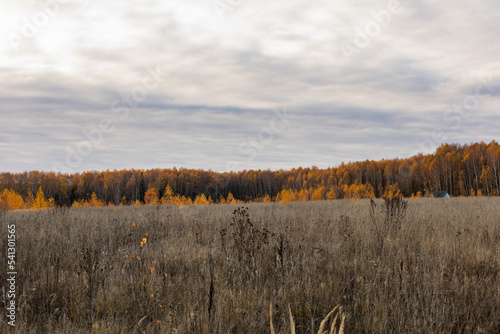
(462, 170)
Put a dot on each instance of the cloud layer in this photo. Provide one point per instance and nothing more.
(238, 84)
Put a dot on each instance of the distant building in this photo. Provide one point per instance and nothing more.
(437, 194)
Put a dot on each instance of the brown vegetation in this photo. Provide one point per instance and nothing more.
(422, 266)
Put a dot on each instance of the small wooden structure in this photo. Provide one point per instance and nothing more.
(437, 194)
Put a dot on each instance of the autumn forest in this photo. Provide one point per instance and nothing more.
(462, 170)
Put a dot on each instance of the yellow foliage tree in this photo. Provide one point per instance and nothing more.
(168, 196)
(392, 191)
(287, 195)
(152, 196)
(29, 201)
(78, 204)
(303, 195)
(95, 201)
(201, 200)
(51, 203)
(369, 191)
(415, 196)
(317, 194)
(10, 200)
(184, 200)
(358, 190)
(178, 200)
(40, 202)
(230, 199)
(331, 194)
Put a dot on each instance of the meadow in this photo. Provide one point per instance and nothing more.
(416, 266)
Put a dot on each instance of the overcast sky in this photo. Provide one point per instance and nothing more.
(240, 84)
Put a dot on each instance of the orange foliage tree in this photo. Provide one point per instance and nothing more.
(29, 201)
(317, 194)
(287, 195)
(231, 200)
(40, 202)
(152, 196)
(331, 194)
(168, 196)
(10, 200)
(392, 191)
(202, 200)
(94, 201)
(461, 170)
(357, 191)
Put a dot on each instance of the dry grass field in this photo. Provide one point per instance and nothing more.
(432, 266)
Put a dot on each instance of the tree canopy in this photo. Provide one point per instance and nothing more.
(462, 170)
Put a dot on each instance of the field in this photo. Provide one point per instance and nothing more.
(431, 266)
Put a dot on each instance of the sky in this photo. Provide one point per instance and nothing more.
(239, 84)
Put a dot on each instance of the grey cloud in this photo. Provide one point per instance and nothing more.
(220, 81)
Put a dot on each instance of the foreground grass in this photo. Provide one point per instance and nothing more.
(216, 269)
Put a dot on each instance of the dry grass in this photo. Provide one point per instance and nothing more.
(321, 326)
(432, 267)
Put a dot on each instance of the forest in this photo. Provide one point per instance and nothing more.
(462, 170)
